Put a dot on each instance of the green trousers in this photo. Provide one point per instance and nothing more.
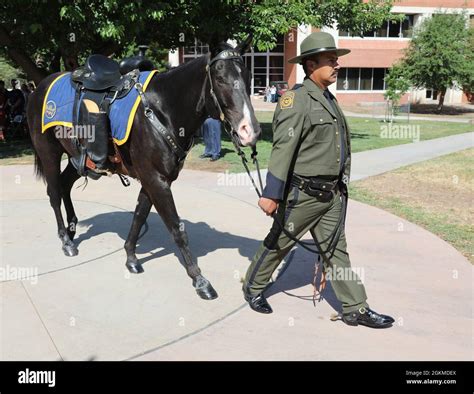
(301, 213)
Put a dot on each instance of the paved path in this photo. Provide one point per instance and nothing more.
(89, 307)
(378, 161)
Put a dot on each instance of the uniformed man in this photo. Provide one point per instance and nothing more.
(306, 184)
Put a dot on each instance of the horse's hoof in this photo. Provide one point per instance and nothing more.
(134, 268)
(207, 292)
(70, 250)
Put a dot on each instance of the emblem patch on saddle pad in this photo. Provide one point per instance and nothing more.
(286, 101)
(50, 109)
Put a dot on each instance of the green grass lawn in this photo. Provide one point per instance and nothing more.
(366, 135)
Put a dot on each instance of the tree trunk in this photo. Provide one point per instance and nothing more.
(21, 58)
(442, 93)
(27, 65)
(70, 62)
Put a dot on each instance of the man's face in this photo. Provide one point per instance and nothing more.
(326, 69)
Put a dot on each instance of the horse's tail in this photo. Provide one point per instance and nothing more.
(39, 171)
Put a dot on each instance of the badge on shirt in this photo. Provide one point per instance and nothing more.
(286, 101)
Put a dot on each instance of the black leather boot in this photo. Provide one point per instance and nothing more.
(258, 303)
(93, 130)
(97, 147)
(367, 317)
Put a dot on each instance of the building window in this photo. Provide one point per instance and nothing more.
(431, 94)
(361, 79)
(387, 30)
(266, 67)
(192, 52)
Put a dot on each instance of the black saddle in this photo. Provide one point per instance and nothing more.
(100, 73)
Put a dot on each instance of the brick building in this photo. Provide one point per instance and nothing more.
(361, 79)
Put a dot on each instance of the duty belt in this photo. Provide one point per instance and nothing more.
(317, 187)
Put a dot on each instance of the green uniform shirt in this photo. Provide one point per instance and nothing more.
(306, 139)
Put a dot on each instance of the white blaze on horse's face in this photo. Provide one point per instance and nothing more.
(245, 128)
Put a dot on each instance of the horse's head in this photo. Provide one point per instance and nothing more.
(230, 82)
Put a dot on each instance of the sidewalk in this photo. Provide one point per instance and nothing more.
(89, 307)
(377, 161)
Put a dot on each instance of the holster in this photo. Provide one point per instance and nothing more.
(321, 189)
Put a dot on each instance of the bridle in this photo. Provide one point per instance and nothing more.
(226, 54)
(232, 54)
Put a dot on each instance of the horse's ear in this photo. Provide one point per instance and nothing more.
(244, 45)
(214, 42)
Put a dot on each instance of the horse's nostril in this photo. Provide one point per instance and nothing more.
(245, 129)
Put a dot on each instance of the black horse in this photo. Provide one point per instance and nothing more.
(216, 84)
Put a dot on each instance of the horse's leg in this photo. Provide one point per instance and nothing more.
(52, 170)
(141, 213)
(160, 194)
(68, 177)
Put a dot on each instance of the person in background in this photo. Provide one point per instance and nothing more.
(16, 100)
(31, 86)
(3, 110)
(26, 93)
(212, 139)
(273, 94)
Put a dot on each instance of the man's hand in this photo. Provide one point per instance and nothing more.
(268, 205)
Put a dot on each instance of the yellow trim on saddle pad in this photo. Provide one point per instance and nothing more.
(56, 123)
(131, 116)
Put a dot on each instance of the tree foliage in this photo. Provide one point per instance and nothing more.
(397, 84)
(44, 36)
(440, 55)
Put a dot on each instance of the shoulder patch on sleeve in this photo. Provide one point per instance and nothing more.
(286, 101)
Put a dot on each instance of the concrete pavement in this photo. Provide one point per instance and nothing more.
(89, 307)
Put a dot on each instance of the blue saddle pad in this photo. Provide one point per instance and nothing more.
(59, 100)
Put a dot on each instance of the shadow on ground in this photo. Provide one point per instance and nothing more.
(431, 109)
(297, 270)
